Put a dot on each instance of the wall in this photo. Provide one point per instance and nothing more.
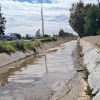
(92, 62)
(18, 55)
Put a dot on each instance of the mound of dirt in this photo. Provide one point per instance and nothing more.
(93, 39)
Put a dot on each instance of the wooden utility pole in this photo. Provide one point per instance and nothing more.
(42, 20)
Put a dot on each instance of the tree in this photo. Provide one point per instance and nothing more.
(98, 20)
(18, 35)
(77, 18)
(28, 36)
(85, 20)
(61, 33)
(91, 21)
(2, 23)
(46, 35)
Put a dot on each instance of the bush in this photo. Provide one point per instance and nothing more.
(54, 39)
(86, 74)
(21, 45)
(6, 47)
(49, 39)
(89, 91)
(33, 38)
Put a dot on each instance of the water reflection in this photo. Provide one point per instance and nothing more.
(9, 70)
(37, 75)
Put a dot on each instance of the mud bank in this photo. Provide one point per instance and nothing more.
(6, 59)
(92, 62)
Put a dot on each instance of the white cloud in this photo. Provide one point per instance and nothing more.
(25, 17)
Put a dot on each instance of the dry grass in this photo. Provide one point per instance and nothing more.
(93, 39)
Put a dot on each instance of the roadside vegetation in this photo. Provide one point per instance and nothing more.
(29, 44)
(21, 45)
(89, 91)
(85, 19)
(15, 42)
(25, 45)
(86, 74)
(48, 38)
(98, 45)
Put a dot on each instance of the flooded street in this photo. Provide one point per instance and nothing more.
(33, 81)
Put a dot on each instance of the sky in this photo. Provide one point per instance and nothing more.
(24, 16)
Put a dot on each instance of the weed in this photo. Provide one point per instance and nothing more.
(49, 39)
(22, 45)
(89, 91)
(86, 74)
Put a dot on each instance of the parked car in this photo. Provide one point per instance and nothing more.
(13, 37)
(8, 38)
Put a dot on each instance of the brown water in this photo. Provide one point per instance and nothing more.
(31, 81)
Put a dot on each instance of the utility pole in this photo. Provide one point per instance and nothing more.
(42, 20)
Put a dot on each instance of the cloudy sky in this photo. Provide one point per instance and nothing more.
(24, 16)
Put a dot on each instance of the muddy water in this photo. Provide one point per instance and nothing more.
(32, 80)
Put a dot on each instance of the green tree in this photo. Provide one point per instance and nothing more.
(61, 33)
(46, 35)
(18, 35)
(98, 19)
(92, 20)
(2, 23)
(77, 18)
(28, 37)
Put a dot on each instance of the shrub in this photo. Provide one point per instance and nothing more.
(49, 39)
(89, 91)
(6, 47)
(54, 39)
(86, 74)
(21, 45)
(46, 36)
(33, 38)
